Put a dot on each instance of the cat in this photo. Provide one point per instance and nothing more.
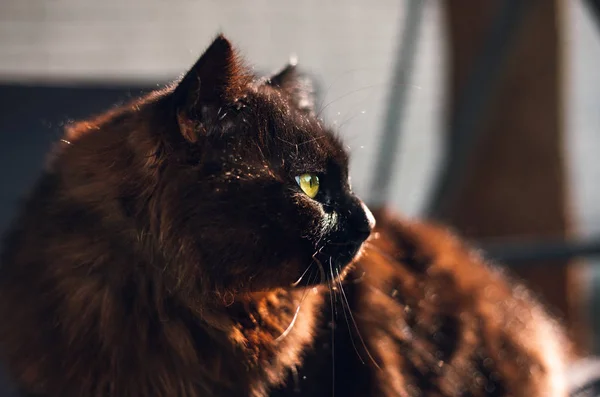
(205, 241)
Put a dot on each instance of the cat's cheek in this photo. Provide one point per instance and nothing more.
(311, 217)
(329, 222)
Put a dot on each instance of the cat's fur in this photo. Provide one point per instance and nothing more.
(156, 257)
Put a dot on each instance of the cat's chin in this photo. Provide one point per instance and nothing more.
(329, 269)
(325, 269)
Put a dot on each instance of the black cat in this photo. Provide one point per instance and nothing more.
(204, 241)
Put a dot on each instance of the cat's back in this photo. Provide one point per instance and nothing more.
(438, 320)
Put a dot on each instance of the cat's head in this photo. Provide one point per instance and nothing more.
(252, 189)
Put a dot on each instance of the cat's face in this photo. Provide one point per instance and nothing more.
(261, 186)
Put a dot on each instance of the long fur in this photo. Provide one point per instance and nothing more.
(168, 251)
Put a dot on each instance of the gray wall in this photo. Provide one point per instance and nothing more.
(583, 138)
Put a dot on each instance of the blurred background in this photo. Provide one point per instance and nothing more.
(481, 114)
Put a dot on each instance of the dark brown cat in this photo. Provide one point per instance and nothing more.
(204, 241)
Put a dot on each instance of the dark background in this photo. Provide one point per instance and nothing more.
(32, 120)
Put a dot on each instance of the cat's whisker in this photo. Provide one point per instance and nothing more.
(349, 119)
(369, 87)
(332, 338)
(308, 282)
(333, 286)
(290, 327)
(293, 322)
(295, 284)
(320, 265)
(311, 278)
(336, 79)
(346, 306)
(362, 341)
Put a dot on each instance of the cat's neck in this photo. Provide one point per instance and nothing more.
(271, 330)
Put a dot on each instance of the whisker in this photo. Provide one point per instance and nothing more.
(345, 122)
(295, 284)
(318, 262)
(322, 109)
(336, 79)
(362, 341)
(289, 327)
(333, 288)
(308, 282)
(332, 340)
(293, 322)
(344, 96)
(344, 305)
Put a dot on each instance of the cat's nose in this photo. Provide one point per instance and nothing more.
(363, 220)
(369, 215)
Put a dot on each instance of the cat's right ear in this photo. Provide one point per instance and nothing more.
(211, 83)
(297, 85)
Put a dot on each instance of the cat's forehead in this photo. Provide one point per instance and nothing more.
(296, 132)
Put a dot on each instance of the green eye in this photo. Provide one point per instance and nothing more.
(309, 183)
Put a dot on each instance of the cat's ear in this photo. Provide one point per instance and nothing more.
(213, 81)
(299, 87)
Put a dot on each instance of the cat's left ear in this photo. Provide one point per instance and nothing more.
(299, 87)
(215, 80)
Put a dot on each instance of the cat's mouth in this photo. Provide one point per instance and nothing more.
(331, 263)
(332, 260)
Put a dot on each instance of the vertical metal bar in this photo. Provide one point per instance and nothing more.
(396, 104)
